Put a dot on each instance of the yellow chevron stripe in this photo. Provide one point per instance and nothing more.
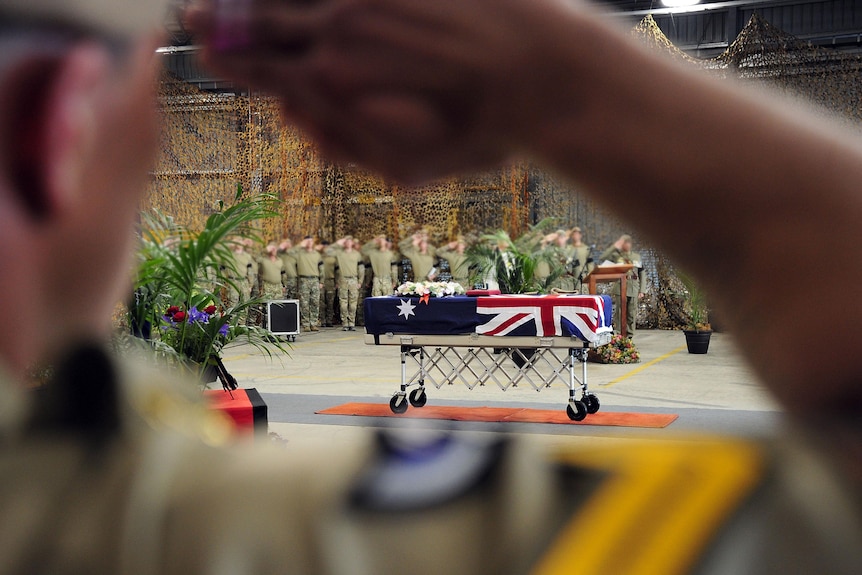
(658, 510)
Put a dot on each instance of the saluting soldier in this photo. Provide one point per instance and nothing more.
(291, 277)
(454, 253)
(422, 256)
(329, 291)
(580, 265)
(271, 270)
(558, 242)
(309, 266)
(621, 253)
(384, 265)
(241, 272)
(349, 267)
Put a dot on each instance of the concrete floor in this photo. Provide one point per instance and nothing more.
(711, 393)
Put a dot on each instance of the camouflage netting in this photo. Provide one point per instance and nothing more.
(212, 142)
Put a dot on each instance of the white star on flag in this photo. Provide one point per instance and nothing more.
(406, 308)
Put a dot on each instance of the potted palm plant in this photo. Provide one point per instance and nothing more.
(177, 308)
(697, 331)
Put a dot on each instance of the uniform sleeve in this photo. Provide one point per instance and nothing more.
(610, 254)
(406, 246)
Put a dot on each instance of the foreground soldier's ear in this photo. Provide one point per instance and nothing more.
(71, 124)
(49, 108)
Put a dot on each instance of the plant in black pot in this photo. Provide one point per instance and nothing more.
(697, 330)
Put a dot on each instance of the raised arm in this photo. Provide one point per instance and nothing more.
(717, 175)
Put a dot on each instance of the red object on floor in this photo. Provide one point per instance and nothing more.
(514, 414)
(246, 408)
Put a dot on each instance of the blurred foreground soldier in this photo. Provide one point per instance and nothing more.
(291, 277)
(621, 253)
(422, 256)
(380, 83)
(453, 252)
(350, 270)
(309, 266)
(329, 289)
(384, 265)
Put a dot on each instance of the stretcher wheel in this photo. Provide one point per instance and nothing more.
(576, 410)
(398, 403)
(418, 397)
(592, 403)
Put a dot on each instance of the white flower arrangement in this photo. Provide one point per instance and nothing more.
(433, 289)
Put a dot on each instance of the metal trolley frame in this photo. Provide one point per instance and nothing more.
(475, 360)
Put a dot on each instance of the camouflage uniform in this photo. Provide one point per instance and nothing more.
(240, 273)
(458, 265)
(384, 265)
(309, 267)
(309, 302)
(422, 263)
(635, 285)
(349, 264)
(291, 278)
(327, 294)
(144, 482)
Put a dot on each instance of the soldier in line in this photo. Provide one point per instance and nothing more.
(271, 273)
(350, 273)
(558, 243)
(454, 253)
(422, 256)
(251, 250)
(580, 265)
(309, 266)
(241, 272)
(329, 291)
(291, 278)
(621, 253)
(384, 265)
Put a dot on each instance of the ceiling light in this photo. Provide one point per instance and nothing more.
(679, 3)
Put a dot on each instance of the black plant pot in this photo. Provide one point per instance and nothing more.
(697, 340)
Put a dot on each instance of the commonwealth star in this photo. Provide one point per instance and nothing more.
(406, 308)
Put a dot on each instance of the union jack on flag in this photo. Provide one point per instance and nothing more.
(551, 315)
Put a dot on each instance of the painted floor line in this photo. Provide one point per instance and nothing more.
(643, 367)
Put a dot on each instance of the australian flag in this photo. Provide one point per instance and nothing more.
(585, 317)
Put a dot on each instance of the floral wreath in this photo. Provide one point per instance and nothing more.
(426, 290)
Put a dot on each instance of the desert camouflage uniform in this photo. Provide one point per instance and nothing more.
(309, 301)
(349, 268)
(144, 482)
(384, 266)
(327, 294)
(291, 278)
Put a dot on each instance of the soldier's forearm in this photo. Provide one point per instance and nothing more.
(722, 179)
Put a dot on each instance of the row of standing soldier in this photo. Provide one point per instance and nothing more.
(319, 274)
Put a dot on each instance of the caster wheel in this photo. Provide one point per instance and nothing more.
(418, 398)
(398, 403)
(522, 357)
(592, 403)
(576, 410)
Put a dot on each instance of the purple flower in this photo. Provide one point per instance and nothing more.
(196, 316)
(224, 329)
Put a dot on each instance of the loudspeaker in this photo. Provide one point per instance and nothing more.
(282, 317)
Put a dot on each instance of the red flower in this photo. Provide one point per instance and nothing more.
(172, 310)
(210, 309)
(180, 316)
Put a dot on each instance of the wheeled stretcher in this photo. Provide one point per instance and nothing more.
(492, 351)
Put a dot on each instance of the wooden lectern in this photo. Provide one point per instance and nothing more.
(610, 274)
